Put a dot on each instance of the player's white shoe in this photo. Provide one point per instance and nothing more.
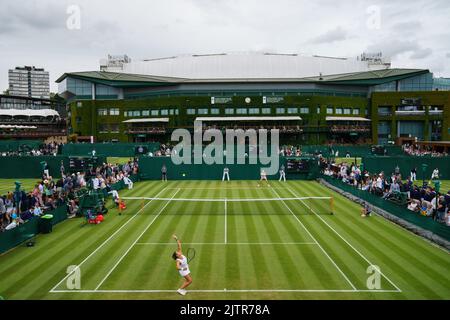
(182, 292)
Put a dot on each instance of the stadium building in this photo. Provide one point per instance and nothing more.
(311, 99)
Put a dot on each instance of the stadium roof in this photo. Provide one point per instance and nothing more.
(245, 65)
(118, 79)
(293, 118)
(347, 119)
(145, 120)
(29, 112)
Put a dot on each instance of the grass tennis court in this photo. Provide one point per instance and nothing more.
(249, 244)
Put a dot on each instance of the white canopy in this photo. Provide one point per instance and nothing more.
(347, 119)
(293, 118)
(29, 112)
(8, 126)
(144, 120)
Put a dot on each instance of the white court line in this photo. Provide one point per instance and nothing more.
(219, 188)
(321, 248)
(229, 291)
(132, 245)
(229, 243)
(100, 246)
(349, 244)
(228, 199)
(225, 220)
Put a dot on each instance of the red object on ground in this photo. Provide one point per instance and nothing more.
(99, 218)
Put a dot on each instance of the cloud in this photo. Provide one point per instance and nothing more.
(338, 34)
(447, 55)
(421, 53)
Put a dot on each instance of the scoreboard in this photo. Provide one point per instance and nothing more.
(82, 163)
(297, 165)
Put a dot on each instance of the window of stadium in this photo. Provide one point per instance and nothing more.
(164, 112)
(347, 111)
(229, 111)
(145, 113)
(329, 110)
(102, 112)
(154, 112)
(190, 111)
(318, 110)
(356, 111)
(292, 110)
(202, 111)
(305, 110)
(241, 111)
(136, 113)
(281, 110)
(79, 104)
(253, 111)
(266, 111)
(102, 128)
(338, 110)
(215, 111)
(114, 128)
(114, 111)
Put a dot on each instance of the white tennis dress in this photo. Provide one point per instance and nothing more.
(184, 267)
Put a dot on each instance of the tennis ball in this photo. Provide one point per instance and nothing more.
(184, 174)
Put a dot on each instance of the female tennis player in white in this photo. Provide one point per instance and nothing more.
(182, 266)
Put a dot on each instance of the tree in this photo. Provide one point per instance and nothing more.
(6, 92)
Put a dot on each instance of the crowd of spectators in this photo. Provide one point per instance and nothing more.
(290, 151)
(165, 150)
(49, 193)
(49, 149)
(420, 151)
(426, 199)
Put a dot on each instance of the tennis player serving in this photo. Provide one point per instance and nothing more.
(182, 266)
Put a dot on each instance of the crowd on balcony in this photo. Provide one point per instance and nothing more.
(420, 151)
(18, 206)
(48, 149)
(425, 200)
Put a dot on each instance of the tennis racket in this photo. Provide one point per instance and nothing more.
(190, 254)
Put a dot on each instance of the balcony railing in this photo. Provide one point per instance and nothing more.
(410, 113)
(436, 112)
(146, 130)
(349, 129)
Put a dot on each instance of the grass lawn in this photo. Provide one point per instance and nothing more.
(259, 248)
(348, 160)
(7, 185)
(119, 160)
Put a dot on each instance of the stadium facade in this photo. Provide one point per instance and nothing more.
(312, 100)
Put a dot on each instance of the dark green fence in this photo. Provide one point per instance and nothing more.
(406, 163)
(16, 145)
(150, 169)
(106, 149)
(354, 151)
(401, 212)
(12, 238)
(30, 167)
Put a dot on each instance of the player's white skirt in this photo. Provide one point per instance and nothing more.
(184, 273)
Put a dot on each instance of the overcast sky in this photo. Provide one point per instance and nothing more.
(414, 33)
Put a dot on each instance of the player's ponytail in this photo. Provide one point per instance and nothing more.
(174, 256)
